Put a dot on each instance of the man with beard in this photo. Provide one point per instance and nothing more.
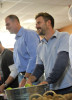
(25, 48)
(52, 56)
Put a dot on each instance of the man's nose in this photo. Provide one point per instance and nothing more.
(6, 27)
(37, 26)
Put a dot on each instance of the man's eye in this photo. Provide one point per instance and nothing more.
(38, 22)
(7, 24)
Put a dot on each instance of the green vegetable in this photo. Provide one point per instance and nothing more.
(27, 85)
(9, 88)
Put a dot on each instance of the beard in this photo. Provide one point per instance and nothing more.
(40, 31)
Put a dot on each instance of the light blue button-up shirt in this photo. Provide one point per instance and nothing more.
(47, 55)
(25, 50)
(70, 49)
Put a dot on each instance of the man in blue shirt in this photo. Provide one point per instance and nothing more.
(52, 56)
(25, 48)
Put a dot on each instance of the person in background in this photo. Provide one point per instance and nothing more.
(25, 48)
(52, 56)
(9, 71)
(1, 74)
(70, 49)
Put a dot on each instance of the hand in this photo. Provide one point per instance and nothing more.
(29, 82)
(22, 83)
(44, 82)
(2, 88)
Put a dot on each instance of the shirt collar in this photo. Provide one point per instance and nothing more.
(19, 34)
(55, 35)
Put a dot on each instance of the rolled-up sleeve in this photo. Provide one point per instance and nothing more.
(13, 70)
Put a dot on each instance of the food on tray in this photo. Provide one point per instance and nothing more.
(9, 88)
(58, 97)
(27, 85)
(36, 97)
(51, 95)
(68, 96)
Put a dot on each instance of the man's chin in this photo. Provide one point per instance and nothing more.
(41, 33)
(11, 32)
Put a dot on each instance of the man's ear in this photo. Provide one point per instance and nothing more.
(48, 22)
(15, 22)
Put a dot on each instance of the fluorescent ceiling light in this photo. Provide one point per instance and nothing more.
(29, 21)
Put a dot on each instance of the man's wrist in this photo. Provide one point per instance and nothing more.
(25, 78)
(5, 84)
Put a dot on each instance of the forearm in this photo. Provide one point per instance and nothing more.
(27, 75)
(6, 83)
(9, 80)
(32, 78)
(59, 67)
(39, 70)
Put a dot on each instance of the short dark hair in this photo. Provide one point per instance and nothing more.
(46, 17)
(13, 17)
